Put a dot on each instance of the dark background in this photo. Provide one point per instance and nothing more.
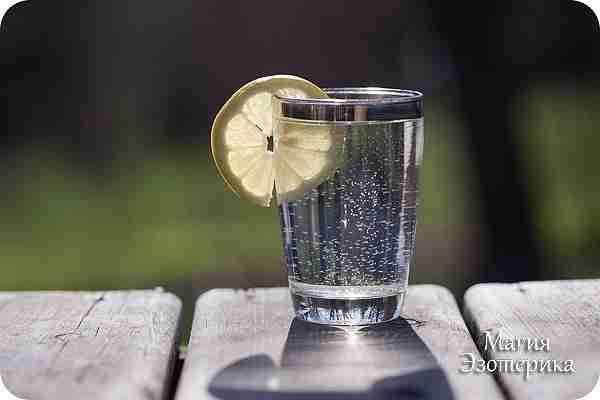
(107, 179)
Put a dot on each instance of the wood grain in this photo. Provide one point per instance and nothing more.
(88, 345)
(245, 344)
(446, 334)
(567, 313)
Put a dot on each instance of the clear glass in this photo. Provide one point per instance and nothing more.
(348, 242)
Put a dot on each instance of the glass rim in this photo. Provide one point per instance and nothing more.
(353, 104)
(384, 96)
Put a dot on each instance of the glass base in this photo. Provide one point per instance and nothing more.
(343, 305)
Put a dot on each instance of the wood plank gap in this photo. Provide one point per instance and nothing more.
(468, 318)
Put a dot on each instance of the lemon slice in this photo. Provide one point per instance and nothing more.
(253, 158)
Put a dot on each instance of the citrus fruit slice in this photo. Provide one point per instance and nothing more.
(253, 158)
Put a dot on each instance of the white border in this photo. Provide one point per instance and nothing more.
(4, 6)
(594, 5)
(595, 393)
(5, 394)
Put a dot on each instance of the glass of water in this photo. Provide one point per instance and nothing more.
(348, 242)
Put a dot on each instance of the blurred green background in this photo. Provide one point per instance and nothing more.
(108, 182)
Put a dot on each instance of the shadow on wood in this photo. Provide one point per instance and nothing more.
(377, 362)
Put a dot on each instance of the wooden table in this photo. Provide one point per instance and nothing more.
(565, 313)
(246, 345)
(110, 345)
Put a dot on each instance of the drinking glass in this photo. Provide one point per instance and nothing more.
(348, 241)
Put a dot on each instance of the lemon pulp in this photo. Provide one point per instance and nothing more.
(254, 158)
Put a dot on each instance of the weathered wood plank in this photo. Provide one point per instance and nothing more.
(88, 345)
(567, 313)
(446, 334)
(245, 344)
